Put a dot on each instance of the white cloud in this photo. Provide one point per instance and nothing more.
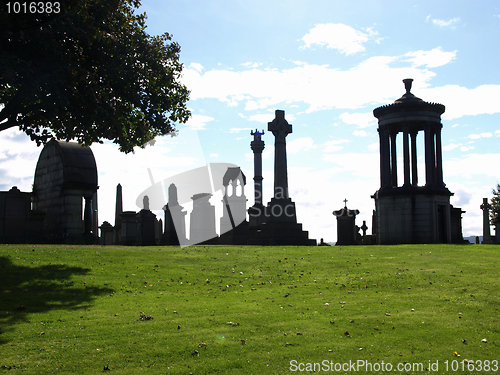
(237, 130)
(373, 81)
(451, 146)
(466, 148)
(299, 145)
(198, 122)
(461, 101)
(431, 59)
(360, 133)
(196, 66)
(335, 145)
(374, 147)
(473, 164)
(362, 120)
(252, 64)
(481, 135)
(497, 133)
(338, 36)
(444, 23)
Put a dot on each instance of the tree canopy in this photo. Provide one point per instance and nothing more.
(495, 205)
(89, 72)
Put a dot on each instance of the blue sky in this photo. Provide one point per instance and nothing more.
(327, 64)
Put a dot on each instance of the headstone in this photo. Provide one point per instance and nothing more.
(129, 228)
(202, 220)
(486, 222)
(346, 226)
(106, 234)
(146, 221)
(323, 243)
(18, 223)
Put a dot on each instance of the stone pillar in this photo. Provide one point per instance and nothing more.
(429, 155)
(256, 212)
(439, 159)
(486, 222)
(385, 168)
(414, 176)
(406, 157)
(394, 166)
(87, 216)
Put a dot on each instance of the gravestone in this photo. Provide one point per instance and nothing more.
(280, 226)
(202, 220)
(18, 223)
(346, 226)
(106, 234)
(146, 221)
(129, 228)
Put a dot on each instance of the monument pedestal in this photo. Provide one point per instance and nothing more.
(281, 227)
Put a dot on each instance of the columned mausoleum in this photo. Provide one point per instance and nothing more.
(406, 211)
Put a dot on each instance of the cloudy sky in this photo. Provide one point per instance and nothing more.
(327, 64)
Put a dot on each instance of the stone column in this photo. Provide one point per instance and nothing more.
(406, 157)
(87, 216)
(414, 176)
(385, 167)
(257, 146)
(394, 166)
(486, 222)
(439, 158)
(256, 212)
(429, 155)
(280, 129)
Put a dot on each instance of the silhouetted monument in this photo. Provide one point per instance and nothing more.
(485, 207)
(407, 212)
(256, 212)
(202, 220)
(175, 221)
(233, 224)
(146, 225)
(280, 226)
(346, 226)
(118, 212)
(65, 186)
(18, 222)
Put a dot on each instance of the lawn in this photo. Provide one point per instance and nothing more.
(249, 309)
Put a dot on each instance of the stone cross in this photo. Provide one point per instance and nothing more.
(486, 221)
(364, 228)
(280, 129)
(345, 203)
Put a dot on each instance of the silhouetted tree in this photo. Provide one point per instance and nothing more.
(495, 205)
(88, 71)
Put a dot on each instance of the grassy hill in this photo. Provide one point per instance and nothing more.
(249, 310)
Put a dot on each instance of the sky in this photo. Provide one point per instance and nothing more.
(327, 64)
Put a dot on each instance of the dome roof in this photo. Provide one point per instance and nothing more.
(408, 102)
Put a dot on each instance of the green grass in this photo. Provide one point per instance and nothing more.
(77, 309)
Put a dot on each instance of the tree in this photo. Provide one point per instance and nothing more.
(89, 72)
(495, 205)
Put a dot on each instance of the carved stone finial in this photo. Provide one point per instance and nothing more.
(407, 83)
